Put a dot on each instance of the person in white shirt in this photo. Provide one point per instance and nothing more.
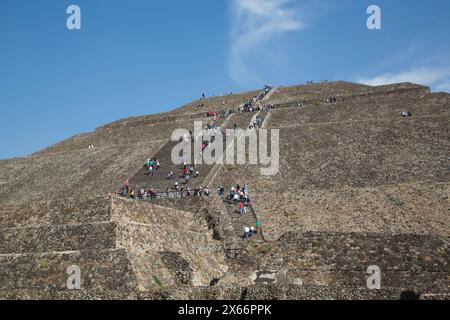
(246, 232)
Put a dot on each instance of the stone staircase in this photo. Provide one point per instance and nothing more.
(240, 221)
(160, 182)
(207, 173)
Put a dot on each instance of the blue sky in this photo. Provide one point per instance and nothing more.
(140, 57)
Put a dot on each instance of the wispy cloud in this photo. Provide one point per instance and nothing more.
(438, 78)
(255, 24)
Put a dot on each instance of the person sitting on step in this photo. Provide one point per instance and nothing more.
(231, 198)
(405, 114)
(141, 194)
(152, 194)
(221, 191)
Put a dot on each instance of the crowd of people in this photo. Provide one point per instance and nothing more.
(240, 197)
(257, 123)
(185, 191)
(255, 108)
(405, 114)
(141, 195)
(251, 231)
(189, 171)
(332, 99)
(250, 105)
(152, 166)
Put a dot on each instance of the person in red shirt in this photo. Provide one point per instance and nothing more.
(126, 187)
(241, 208)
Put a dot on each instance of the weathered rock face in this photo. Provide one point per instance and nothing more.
(130, 250)
(358, 185)
(108, 269)
(406, 262)
(75, 174)
(58, 238)
(181, 268)
(151, 230)
(343, 90)
(55, 212)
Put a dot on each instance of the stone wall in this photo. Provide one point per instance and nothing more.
(100, 269)
(171, 232)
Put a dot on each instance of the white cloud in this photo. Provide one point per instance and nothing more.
(255, 23)
(438, 78)
(443, 86)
